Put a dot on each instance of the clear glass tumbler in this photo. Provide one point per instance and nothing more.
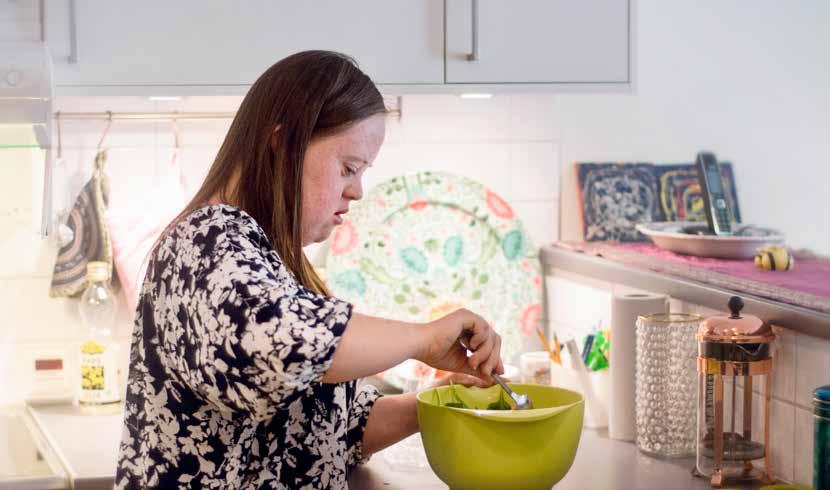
(666, 383)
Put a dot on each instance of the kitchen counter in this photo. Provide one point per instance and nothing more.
(566, 257)
(86, 441)
(601, 464)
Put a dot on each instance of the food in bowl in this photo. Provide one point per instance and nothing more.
(455, 401)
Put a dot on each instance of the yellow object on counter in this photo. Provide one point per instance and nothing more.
(774, 258)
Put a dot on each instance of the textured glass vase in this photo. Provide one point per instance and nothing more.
(666, 384)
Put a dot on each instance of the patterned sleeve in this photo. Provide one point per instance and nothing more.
(249, 338)
(358, 416)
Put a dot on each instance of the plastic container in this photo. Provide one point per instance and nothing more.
(535, 367)
(821, 438)
(596, 395)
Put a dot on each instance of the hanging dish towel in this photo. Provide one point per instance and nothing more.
(90, 239)
(135, 227)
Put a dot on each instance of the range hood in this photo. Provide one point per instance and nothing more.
(25, 95)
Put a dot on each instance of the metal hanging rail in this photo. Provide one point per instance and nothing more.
(146, 116)
(167, 116)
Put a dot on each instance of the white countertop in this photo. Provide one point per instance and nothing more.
(601, 464)
(27, 461)
(86, 440)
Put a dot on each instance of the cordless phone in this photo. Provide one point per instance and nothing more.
(718, 214)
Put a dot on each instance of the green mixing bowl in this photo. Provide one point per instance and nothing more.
(492, 449)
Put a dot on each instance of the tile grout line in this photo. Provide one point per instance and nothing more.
(795, 396)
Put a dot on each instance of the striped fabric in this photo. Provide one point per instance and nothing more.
(90, 239)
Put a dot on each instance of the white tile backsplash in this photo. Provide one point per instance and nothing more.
(783, 374)
(443, 118)
(122, 134)
(574, 308)
(803, 450)
(781, 434)
(486, 163)
(202, 132)
(33, 256)
(200, 103)
(535, 163)
(812, 368)
(533, 117)
(540, 219)
(29, 314)
(194, 162)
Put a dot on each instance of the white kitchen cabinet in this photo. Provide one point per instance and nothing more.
(191, 47)
(19, 21)
(538, 42)
(218, 43)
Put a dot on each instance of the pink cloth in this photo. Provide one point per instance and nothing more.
(134, 227)
(808, 284)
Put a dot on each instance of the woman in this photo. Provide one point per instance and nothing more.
(243, 368)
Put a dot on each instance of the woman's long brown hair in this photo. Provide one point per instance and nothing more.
(306, 95)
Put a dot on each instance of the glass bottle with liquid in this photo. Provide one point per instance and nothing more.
(99, 349)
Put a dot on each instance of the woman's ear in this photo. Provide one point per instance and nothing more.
(273, 138)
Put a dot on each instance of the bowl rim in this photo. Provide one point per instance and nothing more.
(645, 229)
(529, 415)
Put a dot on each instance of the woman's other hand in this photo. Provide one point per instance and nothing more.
(442, 350)
(460, 379)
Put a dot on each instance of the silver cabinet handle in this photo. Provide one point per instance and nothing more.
(42, 17)
(73, 32)
(474, 55)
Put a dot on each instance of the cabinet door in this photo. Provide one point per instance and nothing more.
(539, 41)
(19, 21)
(230, 43)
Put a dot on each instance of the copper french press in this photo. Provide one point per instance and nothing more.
(734, 355)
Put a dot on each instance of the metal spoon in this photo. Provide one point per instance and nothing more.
(522, 401)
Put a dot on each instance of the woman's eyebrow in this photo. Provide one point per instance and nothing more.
(353, 158)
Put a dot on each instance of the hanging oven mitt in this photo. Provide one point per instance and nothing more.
(90, 239)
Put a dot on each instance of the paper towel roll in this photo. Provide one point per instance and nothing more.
(625, 308)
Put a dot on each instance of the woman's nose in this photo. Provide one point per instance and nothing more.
(354, 191)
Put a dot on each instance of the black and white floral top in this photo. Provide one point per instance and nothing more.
(228, 354)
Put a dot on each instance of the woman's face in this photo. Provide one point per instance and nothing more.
(332, 174)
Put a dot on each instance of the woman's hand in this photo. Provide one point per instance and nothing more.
(460, 379)
(442, 349)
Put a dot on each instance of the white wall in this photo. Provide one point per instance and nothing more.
(747, 80)
(751, 82)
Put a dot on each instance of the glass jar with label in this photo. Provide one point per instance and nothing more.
(99, 350)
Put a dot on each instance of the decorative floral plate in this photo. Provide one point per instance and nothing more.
(420, 246)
